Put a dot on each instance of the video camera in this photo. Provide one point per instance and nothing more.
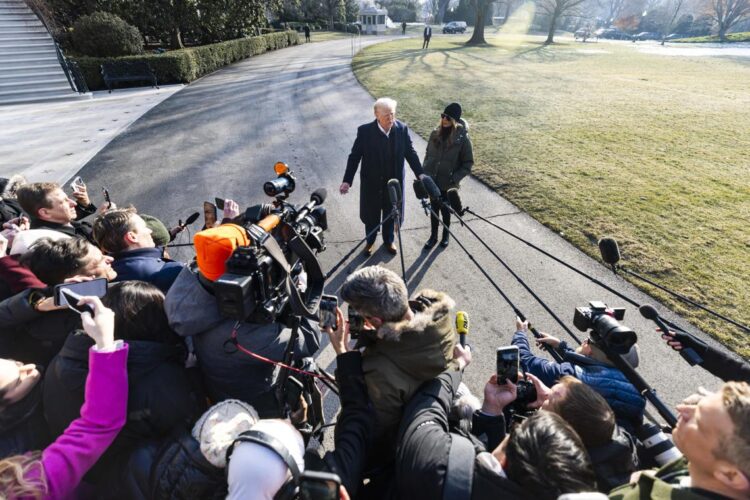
(261, 279)
(602, 320)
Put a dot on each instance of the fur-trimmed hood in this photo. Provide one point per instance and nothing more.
(428, 307)
(8, 187)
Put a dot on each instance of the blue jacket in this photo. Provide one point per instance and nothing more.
(608, 381)
(146, 264)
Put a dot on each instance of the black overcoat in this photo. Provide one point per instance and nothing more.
(375, 173)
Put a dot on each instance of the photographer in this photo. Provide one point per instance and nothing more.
(590, 365)
(34, 326)
(715, 361)
(406, 342)
(713, 433)
(123, 234)
(542, 458)
(193, 310)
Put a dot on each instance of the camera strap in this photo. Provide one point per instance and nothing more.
(460, 472)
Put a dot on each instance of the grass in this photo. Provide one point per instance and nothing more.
(731, 37)
(325, 36)
(600, 139)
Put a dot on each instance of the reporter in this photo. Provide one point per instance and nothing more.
(715, 361)
(57, 471)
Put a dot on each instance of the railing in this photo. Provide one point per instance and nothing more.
(72, 71)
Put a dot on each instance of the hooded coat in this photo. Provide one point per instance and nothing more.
(449, 164)
(376, 172)
(193, 311)
(407, 353)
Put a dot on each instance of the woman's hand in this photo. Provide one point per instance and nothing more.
(100, 327)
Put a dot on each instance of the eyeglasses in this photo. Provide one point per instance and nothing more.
(445, 117)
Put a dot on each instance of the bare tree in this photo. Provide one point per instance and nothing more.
(673, 9)
(557, 9)
(482, 8)
(613, 7)
(727, 13)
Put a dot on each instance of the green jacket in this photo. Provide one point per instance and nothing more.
(406, 354)
(664, 484)
(448, 165)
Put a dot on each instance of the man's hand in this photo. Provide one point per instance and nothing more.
(231, 209)
(81, 195)
(548, 340)
(340, 336)
(100, 327)
(462, 355)
(105, 207)
(497, 397)
(542, 391)
(19, 224)
(344, 187)
(521, 326)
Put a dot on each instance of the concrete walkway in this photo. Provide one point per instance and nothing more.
(52, 141)
(221, 135)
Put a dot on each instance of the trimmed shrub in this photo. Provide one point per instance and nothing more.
(186, 65)
(105, 35)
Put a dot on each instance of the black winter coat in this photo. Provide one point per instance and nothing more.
(159, 395)
(449, 164)
(615, 461)
(375, 172)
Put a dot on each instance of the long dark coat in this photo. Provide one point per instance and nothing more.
(375, 173)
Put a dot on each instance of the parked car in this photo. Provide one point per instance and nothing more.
(454, 27)
(612, 34)
(647, 35)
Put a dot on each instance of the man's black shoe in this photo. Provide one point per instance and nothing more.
(368, 249)
(431, 242)
(444, 240)
(391, 248)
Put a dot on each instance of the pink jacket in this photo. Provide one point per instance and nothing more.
(102, 416)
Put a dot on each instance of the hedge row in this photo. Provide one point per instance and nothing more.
(186, 65)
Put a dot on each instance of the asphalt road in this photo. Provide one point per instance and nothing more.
(221, 136)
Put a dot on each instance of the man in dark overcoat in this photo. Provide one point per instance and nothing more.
(382, 146)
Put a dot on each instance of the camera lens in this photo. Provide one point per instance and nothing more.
(282, 184)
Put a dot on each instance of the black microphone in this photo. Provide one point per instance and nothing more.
(394, 191)
(181, 226)
(454, 200)
(419, 191)
(610, 251)
(688, 353)
(192, 218)
(432, 190)
(316, 198)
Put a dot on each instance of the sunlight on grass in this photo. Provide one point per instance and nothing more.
(599, 139)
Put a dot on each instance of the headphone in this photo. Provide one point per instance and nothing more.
(288, 490)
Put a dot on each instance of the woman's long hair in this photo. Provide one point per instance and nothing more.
(13, 477)
(445, 135)
(139, 312)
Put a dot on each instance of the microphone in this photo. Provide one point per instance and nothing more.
(192, 218)
(394, 191)
(462, 326)
(454, 200)
(316, 198)
(181, 226)
(610, 251)
(419, 191)
(432, 190)
(688, 353)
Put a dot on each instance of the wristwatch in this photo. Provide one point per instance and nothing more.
(35, 297)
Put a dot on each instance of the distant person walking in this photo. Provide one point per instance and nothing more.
(307, 33)
(403, 27)
(427, 35)
(448, 160)
(382, 146)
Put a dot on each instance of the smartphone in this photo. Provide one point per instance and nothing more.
(219, 203)
(507, 364)
(106, 196)
(356, 322)
(315, 485)
(294, 390)
(209, 215)
(327, 311)
(95, 288)
(77, 184)
(71, 300)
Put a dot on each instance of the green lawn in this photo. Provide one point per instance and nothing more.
(325, 36)
(600, 139)
(731, 37)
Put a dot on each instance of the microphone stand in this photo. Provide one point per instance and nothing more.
(396, 214)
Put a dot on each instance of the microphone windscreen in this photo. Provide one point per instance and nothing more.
(609, 250)
(319, 196)
(462, 322)
(432, 190)
(419, 190)
(455, 200)
(192, 218)
(648, 311)
(394, 189)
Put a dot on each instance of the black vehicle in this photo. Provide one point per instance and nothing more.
(454, 27)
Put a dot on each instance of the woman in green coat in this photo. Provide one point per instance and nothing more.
(448, 160)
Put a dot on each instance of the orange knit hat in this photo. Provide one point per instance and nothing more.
(214, 246)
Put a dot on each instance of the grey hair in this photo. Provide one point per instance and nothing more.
(385, 103)
(376, 291)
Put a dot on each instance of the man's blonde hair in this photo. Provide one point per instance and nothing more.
(735, 447)
(385, 103)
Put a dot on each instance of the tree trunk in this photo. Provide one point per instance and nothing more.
(477, 37)
(722, 33)
(442, 7)
(508, 5)
(552, 24)
(176, 39)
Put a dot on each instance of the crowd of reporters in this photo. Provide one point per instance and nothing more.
(146, 397)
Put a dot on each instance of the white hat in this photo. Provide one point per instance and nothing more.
(220, 426)
(23, 240)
